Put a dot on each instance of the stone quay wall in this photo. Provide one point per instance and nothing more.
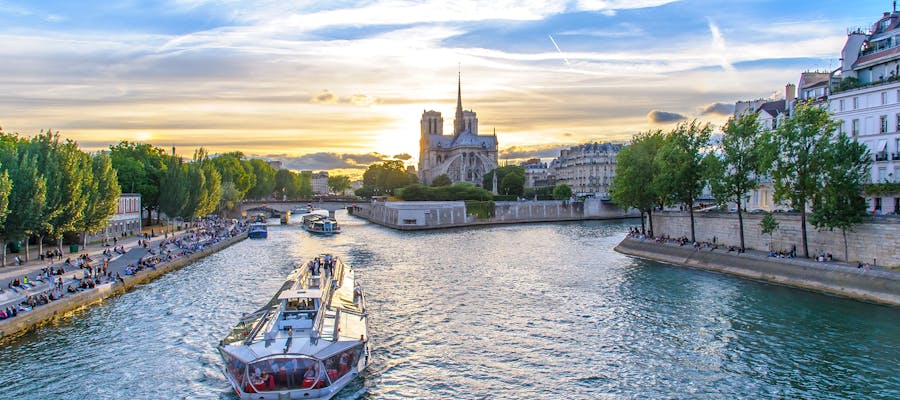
(451, 214)
(73, 302)
(857, 283)
(874, 241)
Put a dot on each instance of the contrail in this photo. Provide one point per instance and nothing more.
(558, 50)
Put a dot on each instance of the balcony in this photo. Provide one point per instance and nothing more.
(895, 156)
(882, 156)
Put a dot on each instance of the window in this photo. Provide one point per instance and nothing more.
(855, 127)
(883, 98)
(841, 104)
(855, 103)
(884, 125)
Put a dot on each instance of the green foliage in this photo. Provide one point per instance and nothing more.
(458, 191)
(237, 171)
(680, 174)
(5, 188)
(562, 191)
(174, 188)
(502, 172)
(65, 168)
(636, 170)
(384, 177)
(231, 196)
(839, 205)
(768, 224)
(28, 189)
(139, 168)
(480, 209)
(882, 188)
(848, 83)
(338, 183)
(799, 147)
(513, 183)
(735, 172)
(265, 179)
(539, 192)
(441, 180)
(103, 191)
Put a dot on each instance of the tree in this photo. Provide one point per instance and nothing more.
(65, 168)
(102, 190)
(338, 183)
(635, 172)
(237, 171)
(139, 168)
(28, 190)
(174, 188)
(265, 179)
(513, 184)
(562, 191)
(441, 180)
(284, 179)
(840, 204)
(767, 226)
(501, 172)
(736, 172)
(680, 168)
(798, 149)
(384, 177)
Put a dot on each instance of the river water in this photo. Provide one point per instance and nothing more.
(508, 312)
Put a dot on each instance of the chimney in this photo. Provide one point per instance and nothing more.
(790, 93)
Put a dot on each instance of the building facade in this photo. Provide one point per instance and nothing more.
(866, 101)
(537, 173)
(464, 155)
(589, 169)
(320, 182)
(125, 222)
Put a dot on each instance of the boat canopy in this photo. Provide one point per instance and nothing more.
(300, 294)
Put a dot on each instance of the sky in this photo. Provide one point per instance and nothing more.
(338, 85)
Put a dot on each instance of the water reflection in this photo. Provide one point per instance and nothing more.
(527, 311)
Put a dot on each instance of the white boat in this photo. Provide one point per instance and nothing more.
(258, 230)
(309, 342)
(319, 224)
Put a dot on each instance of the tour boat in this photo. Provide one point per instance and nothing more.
(320, 224)
(258, 230)
(308, 342)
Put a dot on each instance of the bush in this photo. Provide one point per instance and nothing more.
(503, 197)
(459, 191)
(480, 209)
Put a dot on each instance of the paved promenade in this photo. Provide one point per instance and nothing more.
(14, 293)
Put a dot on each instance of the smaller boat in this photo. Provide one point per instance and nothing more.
(319, 224)
(258, 230)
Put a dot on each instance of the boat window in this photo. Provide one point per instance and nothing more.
(234, 367)
(300, 304)
(284, 373)
(341, 363)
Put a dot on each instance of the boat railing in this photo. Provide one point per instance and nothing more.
(263, 322)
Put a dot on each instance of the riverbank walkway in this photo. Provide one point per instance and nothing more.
(15, 293)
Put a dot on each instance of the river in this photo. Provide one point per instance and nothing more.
(507, 312)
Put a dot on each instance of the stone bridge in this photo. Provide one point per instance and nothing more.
(279, 208)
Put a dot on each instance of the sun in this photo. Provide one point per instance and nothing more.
(142, 136)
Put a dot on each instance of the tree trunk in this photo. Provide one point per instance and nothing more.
(59, 243)
(40, 245)
(691, 209)
(803, 229)
(84, 239)
(27, 240)
(650, 219)
(3, 260)
(741, 225)
(846, 252)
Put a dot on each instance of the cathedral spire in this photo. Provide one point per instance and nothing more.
(458, 122)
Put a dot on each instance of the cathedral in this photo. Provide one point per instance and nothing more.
(465, 156)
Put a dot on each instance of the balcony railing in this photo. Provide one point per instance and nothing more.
(895, 156)
(883, 156)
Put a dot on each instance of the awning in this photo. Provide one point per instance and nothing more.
(882, 146)
(300, 294)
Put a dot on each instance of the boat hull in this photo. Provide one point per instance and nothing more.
(258, 235)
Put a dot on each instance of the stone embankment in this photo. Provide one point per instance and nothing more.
(25, 322)
(878, 286)
(424, 215)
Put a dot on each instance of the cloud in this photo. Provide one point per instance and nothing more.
(403, 156)
(532, 151)
(359, 99)
(718, 46)
(717, 109)
(327, 161)
(664, 117)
